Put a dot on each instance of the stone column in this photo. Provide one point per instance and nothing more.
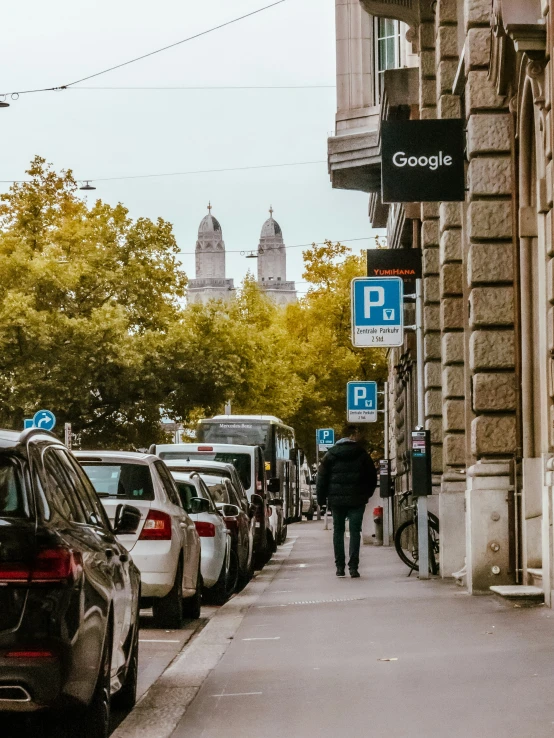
(355, 83)
(491, 310)
(432, 339)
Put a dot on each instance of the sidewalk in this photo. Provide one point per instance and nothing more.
(305, 661)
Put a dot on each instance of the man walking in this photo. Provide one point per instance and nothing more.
(346, 479)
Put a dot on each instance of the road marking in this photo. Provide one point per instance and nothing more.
(274, 638)
(282, 591)
(236, 694)
(156, 640)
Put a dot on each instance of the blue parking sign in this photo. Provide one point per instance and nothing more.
(377, 311)
(361, 402)
(325, 438)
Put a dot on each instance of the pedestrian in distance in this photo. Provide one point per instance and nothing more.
(346, 480)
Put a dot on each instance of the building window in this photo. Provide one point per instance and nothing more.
(387, 49)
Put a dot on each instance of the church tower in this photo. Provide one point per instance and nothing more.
(272, 263)
(210, 282)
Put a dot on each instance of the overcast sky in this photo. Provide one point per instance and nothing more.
(111, 133)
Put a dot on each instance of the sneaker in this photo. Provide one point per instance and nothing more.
(354, 573)
(340, 572)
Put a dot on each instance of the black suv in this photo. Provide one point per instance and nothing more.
(69, 592)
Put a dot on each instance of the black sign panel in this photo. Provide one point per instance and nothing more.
(403, 263)
(422, 160)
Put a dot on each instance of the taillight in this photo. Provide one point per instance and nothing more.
(157, 527)
(14, 572)
(55, 564)
(37, 653)
(205, 530)
(232, 524)
(50, 565)
(205, 448)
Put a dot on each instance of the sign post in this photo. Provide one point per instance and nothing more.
(422, 515)
(377, 312)
(324, 439)
(361, 402)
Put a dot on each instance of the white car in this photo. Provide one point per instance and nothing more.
(215, 539)
(166, 546)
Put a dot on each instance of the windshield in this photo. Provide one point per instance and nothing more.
(124, 481)
(248, 434)
(13, 503)
(218, 489)
(241, 462)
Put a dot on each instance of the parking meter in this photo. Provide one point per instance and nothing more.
(386, 485)
(421, 463)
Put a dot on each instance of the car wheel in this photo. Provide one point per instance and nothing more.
(309, 516)
(219, 593)
(168, 610)
(94, 721)
(126, 698)
(234, 573)
(192, 606)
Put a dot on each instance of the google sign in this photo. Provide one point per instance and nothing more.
(433, 162)
(423, 160)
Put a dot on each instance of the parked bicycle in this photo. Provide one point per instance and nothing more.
(406, 537)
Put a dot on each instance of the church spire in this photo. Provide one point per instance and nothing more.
(210, 207)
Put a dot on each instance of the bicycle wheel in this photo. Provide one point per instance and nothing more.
(434, 562)
(406, 544)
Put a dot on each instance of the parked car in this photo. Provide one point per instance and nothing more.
(239, 523)
(69, 590)
(226, 489)
(165, 546)
(270, 527)
(217, 574)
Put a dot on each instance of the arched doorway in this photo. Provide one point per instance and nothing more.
(534, 396)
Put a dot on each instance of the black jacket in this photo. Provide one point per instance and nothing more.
(346, 476)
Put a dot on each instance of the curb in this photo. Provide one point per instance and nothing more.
(161, 708)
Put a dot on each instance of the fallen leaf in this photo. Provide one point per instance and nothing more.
(393, 659)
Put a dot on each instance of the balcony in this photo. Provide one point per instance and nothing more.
(408, 11)
(353, 153)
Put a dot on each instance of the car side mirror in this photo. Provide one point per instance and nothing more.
(274, 485)
(198, 505)
(256, 499)
(230, 511)
(127, 519)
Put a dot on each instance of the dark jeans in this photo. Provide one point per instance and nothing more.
(355, 515)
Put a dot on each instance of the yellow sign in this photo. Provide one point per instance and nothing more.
(268, 466)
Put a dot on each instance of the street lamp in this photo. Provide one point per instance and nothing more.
(87, 186)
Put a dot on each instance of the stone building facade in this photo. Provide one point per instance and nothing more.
(210, 282)
(488, 267)
(272, 263)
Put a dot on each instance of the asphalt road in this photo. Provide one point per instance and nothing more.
(157, 650)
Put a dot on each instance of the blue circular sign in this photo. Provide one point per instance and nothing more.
(44, 419)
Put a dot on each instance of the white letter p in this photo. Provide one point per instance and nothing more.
(369, 303)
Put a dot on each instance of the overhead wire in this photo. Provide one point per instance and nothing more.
(178, 174)
(170, 88)
(292, 246)
(143, 56)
